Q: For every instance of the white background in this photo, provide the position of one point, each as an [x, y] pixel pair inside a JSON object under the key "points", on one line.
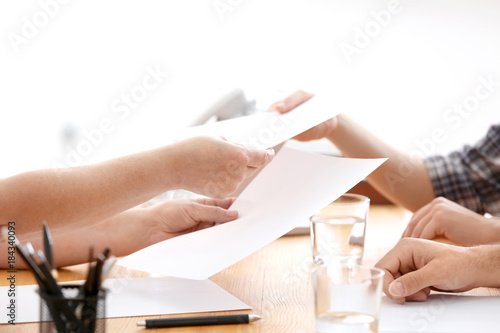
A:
{"points": [[87, 54]]}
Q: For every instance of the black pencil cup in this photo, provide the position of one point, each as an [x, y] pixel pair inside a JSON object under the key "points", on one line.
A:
{"points": [[72, 312]]}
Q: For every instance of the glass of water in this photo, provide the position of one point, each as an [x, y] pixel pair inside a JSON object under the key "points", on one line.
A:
{"points": [[347, 298], [338, 230]]}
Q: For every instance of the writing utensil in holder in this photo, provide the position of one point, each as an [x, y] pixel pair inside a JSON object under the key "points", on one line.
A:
{"points": [[86, 287], [96, 285], [198, 321], [108, 265], [54, 290], [47, 248], [25, 255], [44, 267]]}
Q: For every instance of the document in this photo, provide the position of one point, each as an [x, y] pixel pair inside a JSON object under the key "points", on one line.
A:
{"points": [[268, 129], [441, 313], [294, 186], [140, 297]]}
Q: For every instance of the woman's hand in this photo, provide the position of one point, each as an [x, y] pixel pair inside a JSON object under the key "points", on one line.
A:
{"points": [[287, 104], [215, 167], [177, 217]]}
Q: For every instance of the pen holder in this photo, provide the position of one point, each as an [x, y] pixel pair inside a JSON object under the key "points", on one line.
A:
{"points": [[72, 312]]}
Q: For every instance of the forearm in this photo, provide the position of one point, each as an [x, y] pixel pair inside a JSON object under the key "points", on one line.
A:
{"points": [[123, 234], [401, 179], [486, 270], [86, 194]]}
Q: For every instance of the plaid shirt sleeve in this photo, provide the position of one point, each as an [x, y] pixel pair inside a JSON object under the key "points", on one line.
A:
{"points": [[470, 177]]}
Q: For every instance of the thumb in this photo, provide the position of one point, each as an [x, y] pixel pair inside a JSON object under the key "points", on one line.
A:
{"points": [[411, 283]]}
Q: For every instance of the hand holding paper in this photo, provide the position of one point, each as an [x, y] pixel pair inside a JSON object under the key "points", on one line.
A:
{"points": [[269, 129], [290, 189], [287, 191]]}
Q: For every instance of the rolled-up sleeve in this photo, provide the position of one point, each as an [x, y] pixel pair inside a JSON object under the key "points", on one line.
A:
{"points": [[470, 177]]}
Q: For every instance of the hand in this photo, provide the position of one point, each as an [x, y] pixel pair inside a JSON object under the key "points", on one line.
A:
{"points": [[214, 167], [177, 217], [298, 97], [445, 218], [415, 266]]}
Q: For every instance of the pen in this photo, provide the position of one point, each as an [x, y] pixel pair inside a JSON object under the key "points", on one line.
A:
{"points": [[47, 247], [47, 244], [198, 321]]}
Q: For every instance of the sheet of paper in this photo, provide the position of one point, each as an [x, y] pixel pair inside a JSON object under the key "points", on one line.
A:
{"points": [[293, 187], [268, 129], [140, 297], [441, 313]]}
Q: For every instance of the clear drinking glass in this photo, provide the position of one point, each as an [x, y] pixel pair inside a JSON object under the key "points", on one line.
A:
{"points": [[347, 298], [338, 230]]}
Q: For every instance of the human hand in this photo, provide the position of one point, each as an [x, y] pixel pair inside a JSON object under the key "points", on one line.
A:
{"points": [[177, 217], [215, 167], [445, 218], [415, 266], [295, 99]]}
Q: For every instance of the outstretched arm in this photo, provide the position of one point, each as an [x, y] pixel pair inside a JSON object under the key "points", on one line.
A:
{"points": [[129, 231], [403, 180], [83, 195]]}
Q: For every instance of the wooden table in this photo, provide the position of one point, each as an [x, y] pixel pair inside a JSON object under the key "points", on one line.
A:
{"points": [[275, 281]]}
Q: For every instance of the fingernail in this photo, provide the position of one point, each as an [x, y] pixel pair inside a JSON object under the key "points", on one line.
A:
{"points": [[279, 106], [232, 213], [397, 289], [400, 300]]}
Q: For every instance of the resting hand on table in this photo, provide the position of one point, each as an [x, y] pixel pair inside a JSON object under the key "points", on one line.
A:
{"points": [[445, 218], [415, 266]]}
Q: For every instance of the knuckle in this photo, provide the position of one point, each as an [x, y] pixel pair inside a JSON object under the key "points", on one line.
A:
{"points": [[439, 200], [242, 158]]}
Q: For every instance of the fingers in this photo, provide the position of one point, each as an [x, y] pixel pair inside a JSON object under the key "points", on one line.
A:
{"points": [[212, 213], [390, 264], [412, 285], [419, 214], [290, 102], [258, 158], [425, 222], [419, 296], [429, 232], [222, 203], [397, 264]]}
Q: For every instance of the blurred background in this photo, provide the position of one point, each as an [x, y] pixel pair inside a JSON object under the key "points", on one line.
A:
{"points": [[137, 71]]}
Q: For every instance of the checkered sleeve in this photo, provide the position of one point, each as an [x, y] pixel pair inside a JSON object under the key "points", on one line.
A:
{"points": [[470, 177]]}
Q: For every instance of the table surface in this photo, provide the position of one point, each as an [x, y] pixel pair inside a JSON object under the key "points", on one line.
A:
{"points": [[275, 281]]}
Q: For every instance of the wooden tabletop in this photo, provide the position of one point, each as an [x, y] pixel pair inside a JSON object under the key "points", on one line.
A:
{"points": [[275, 281]]}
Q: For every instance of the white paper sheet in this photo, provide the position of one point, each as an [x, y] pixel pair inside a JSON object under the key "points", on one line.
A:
{"points": [[268, 129], [441, 313], [139, 297], [290, 189]]}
